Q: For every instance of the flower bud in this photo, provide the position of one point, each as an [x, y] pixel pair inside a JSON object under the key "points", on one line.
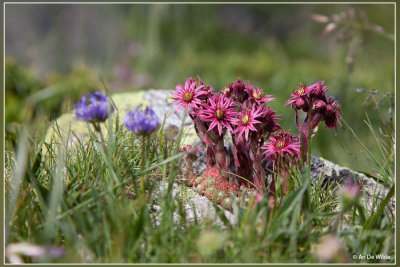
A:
{"points": [[330, 250], [350, 194], [258, 198], [220, 196], [300, 103], [237, 90], [319, 105]]}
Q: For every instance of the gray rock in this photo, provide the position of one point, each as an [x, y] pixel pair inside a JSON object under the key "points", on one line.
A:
{"points": [[331, 172], [160, 102], [195, 205]]}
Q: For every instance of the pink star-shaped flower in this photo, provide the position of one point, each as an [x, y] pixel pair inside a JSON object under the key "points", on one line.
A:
{"points": [[282, 145], [219, 111], [257, 95], [246, 121], [187, 96]]}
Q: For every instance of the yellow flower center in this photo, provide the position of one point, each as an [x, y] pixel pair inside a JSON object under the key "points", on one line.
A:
{"points": [[300, 90], [245, 119], [280, 144], [225, 90], [188, 96], [219, 113], [256, 95]]}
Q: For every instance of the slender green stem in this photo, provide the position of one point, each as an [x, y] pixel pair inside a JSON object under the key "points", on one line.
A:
{"points": [[143, 152], [98, 130], [309, 140]]}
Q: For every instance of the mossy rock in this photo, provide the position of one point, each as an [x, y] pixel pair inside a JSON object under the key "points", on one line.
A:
{"points": [[67, 128]]}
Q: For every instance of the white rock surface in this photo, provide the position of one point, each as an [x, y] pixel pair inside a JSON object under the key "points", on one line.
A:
{"points": [[193, 203]]}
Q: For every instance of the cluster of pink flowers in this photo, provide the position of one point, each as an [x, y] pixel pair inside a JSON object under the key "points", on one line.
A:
{"points": [[312, 100], [242, 110]]}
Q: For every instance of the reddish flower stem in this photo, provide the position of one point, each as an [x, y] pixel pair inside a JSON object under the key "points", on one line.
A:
{"points": [[242, 161], [222, 157], [259, 176]]}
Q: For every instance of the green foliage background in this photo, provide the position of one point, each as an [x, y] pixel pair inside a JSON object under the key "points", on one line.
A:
{"points": [[96, 201]]}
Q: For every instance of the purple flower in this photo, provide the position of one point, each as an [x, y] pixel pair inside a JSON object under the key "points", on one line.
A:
{"points": [[93, 108], [141, 123], [237, 90]]}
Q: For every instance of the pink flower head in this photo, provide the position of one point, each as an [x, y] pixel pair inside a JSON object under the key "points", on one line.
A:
{"points": [[226, 91], [208, 91], [351, 190], [268, 120], [220, 111], [318, 90], [257, 95], [319, 106], [332, 113], [187, 96], [247, 120], [299, 98], [284, 145], [258, 198], [237, 90]]}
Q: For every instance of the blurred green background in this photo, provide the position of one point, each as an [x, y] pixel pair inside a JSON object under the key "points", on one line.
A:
{"points": [[56, 53]]}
